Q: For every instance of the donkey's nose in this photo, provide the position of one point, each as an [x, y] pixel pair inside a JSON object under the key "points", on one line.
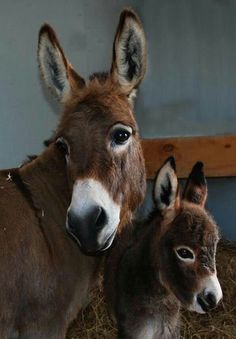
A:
{"points": [[86, 227], [211, 300], [94, 219], [207, 301]]}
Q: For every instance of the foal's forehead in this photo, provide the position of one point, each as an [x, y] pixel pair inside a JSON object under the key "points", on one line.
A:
{"points": [[198, 223]]}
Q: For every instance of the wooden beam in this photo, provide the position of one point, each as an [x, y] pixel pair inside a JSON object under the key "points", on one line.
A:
{"points": [[218, 154]]}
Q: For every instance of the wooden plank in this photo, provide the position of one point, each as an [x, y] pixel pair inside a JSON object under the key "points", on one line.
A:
{"points": [[218, 154]]}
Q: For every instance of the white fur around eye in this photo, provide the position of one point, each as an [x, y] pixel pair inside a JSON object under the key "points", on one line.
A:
{"points": [[187, 260]]}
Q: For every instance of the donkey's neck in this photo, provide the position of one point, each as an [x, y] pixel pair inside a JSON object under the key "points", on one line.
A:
{"points": [[46, 180]]}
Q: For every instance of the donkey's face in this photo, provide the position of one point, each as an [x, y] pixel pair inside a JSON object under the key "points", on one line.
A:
{"points": [[188, 241], [98, 134]]}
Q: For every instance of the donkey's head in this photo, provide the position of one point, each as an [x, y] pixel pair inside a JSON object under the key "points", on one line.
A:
{"points": [[188, 239], [98, 133]]}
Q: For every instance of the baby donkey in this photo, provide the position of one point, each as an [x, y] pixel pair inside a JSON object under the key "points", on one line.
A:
{"points": [[165, 262]]}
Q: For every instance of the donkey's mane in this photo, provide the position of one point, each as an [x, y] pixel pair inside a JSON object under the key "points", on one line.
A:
{"points": [[100, 76], [29, 158]]}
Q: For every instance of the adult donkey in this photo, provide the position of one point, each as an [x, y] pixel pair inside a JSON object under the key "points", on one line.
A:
{"points": [[89, 180]]}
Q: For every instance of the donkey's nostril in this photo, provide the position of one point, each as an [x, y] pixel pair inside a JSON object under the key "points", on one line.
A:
{"points": [[101, 219], [207, 301], [211, 300], [72, 220]]}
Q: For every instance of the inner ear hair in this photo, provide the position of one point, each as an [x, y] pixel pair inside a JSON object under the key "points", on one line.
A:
{"points": [[56, 71], [195, 190], [165, 193], [129, 51]]}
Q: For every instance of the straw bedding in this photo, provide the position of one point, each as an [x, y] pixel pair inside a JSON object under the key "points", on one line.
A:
{"points": [[94, 322]]}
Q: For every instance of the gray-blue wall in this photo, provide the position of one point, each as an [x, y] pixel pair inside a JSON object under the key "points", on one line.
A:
{"points": [[189, 88]]}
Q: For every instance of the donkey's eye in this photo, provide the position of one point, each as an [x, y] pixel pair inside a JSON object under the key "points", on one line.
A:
{"points": [[62, 145], [120, 136], [185, 253]]}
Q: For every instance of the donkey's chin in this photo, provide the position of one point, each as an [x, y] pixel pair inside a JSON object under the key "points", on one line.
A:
{"points": [[96, 250]]}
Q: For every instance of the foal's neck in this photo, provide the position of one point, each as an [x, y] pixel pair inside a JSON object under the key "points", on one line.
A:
{"points": [[148, 256], [146, 262], [46, 179]]}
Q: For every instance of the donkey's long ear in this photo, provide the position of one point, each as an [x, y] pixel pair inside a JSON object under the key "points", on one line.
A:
{"points": [[196, 187], [129, 52], [166, 190], [56, 71]]}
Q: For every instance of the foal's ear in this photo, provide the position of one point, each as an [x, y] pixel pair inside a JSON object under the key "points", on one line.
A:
{"points": [[56, 71], [166, 189], [129, 52], [196, 187]]}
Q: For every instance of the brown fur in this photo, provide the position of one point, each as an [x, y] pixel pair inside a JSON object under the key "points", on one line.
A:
{"points": [[145, 284], [44, 278], [104, 104]]}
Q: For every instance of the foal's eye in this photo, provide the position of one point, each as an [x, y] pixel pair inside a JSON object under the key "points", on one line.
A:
{"points": [[120, 136], [185, 253]]}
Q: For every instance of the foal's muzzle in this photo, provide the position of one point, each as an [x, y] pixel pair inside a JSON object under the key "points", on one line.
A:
{"points": [[209, 296]]}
